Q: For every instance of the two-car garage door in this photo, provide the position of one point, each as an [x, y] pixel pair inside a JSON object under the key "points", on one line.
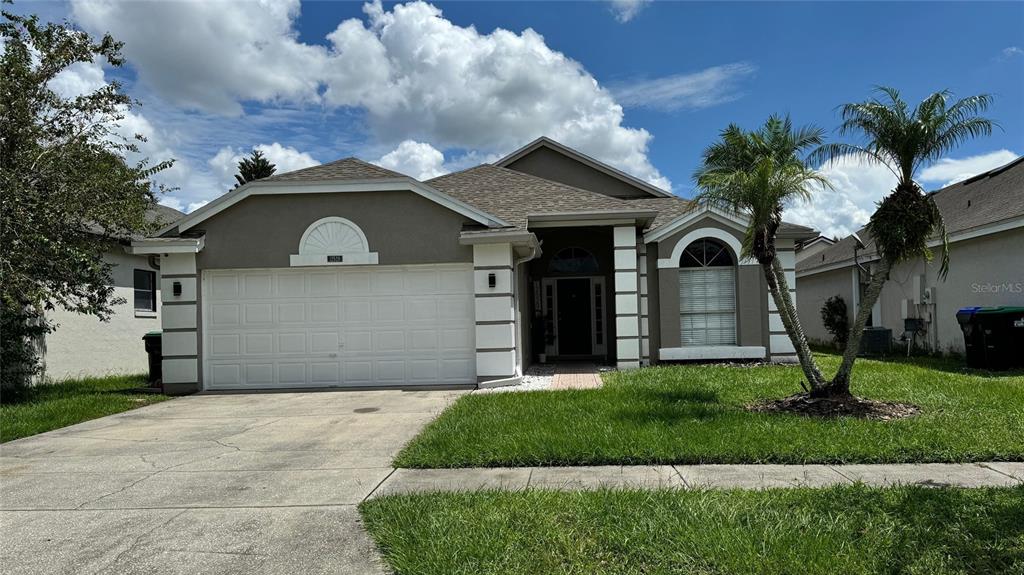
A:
{"points": [[338, 327]]}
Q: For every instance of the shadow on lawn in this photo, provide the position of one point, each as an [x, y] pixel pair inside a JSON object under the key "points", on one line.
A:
{"points": [[946, 364], [672, 405]]}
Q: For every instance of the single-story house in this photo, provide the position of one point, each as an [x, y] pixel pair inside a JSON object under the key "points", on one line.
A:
{"points": [[350, 275], [82, 345], [984, 217]]}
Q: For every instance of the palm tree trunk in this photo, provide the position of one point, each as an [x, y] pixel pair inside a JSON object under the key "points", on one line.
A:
{"points": [[840, 385], [779, 289]]}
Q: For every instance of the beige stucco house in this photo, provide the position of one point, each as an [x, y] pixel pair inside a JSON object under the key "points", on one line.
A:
{"points": [[82, 345], [984, 218], [351, 275]]}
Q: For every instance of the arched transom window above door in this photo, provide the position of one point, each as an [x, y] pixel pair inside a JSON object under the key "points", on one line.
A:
{"points": [[333, 241], [707, 294], [573, 260]]}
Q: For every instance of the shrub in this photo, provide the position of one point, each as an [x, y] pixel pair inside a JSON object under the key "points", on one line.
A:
{"points": [[836, 320]]}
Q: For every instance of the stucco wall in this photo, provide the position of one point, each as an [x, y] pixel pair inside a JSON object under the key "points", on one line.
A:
{"points": [[984, 271], [751, 293], [83, 345], [264, 231], [813, 291], [552, 165]]}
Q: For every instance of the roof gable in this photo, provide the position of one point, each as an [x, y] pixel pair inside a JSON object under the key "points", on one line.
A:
{"points": [[342, 176], [551, 160], [343, 169], [515, 196]]}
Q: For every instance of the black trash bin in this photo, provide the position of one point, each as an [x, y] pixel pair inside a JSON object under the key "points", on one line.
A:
{"points": [[1002, 330], [154, 347], [974, 342]]}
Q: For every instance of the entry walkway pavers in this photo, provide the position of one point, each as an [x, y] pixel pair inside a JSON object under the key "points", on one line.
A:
{"points": [[701, 477], [576, 376]]}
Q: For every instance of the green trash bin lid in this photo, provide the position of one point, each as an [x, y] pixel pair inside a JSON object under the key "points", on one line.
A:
{"points": [[152, 334]]}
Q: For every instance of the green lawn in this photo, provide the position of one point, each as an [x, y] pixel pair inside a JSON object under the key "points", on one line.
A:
{"points": [[51, 406], [695, 414], [843, 530]]}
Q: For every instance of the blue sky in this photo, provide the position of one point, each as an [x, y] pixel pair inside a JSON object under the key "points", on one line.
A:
{"points": [[644, 86]]}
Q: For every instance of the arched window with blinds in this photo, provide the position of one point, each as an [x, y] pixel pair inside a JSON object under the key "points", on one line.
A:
{"points": [[707, 294]]}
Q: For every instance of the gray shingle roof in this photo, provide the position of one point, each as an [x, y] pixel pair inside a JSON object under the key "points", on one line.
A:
{"points": [[513, 196], [984, 199], [343, 169]]}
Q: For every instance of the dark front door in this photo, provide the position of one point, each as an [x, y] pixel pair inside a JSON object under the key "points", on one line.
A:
{"points": [[574, 317]]}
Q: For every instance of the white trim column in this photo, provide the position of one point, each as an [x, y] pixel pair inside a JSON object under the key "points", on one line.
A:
{"points": [[645, 325], [179, 322], [495, 312], [627, 300], [780, 347]]}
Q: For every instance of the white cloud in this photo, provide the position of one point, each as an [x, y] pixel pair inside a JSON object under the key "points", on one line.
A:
{"points": [[844, 209], [419, 160], [211, 55], [1011, 51], [78, 79], [86, 77], [416, 75], [950, 170], [703, 89], [859, 186], [285, 159], [626, 10]]}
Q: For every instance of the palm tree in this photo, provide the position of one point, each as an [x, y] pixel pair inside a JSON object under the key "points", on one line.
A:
{"points": [[756, 173], [902, 140]]}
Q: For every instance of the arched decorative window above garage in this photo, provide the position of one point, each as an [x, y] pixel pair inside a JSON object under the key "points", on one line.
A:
{"points": [[707, 294], [333, 241], [573, 260]]}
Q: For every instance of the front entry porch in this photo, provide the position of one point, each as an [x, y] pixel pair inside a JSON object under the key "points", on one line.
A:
{"points": [[584, 296]]}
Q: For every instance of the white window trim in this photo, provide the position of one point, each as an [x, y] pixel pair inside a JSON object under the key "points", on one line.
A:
{"points": [[715, 233], [711, 352]]}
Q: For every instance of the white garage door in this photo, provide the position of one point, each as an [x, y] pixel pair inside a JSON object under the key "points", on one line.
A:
{"points": [[338, 327]]}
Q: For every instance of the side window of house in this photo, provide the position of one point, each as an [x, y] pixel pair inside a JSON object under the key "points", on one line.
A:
{"points": [[145, 290]]}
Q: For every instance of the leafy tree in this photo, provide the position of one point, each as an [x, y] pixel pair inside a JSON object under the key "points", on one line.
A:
{"points": [[254, 167], [835, 319], [903, 140], [68, 191], [756, 173]]}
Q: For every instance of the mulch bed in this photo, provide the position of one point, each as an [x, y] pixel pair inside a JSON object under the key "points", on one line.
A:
{"points": [[802, 404]]}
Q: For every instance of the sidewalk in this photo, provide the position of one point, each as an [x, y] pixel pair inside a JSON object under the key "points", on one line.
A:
{"points": [[701, 477]]}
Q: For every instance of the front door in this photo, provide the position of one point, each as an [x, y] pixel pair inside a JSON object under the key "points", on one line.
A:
{"points": [[576, 320], [574, 315]]}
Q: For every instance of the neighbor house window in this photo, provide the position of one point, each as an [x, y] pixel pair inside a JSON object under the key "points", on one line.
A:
{"points": [[573, 261], [707, 294], [145, 290]]}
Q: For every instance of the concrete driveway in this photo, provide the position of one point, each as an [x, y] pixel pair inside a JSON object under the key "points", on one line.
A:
{"points": [[256, 483]]}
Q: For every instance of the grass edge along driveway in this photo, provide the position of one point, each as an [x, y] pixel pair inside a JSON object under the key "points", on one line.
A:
{"points": [[842, 530], [696, 414], [50, 406]]}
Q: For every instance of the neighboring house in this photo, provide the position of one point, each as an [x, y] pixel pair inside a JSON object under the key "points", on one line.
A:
{"points": [[984, 218], [351, 275], [82, 345], [812, 246]]}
